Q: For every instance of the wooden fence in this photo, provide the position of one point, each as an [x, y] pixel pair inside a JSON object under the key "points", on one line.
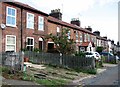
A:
{"points": [[12, 60], [64, 60]]}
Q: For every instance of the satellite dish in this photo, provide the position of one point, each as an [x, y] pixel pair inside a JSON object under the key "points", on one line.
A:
{"points": [[2, 26]]}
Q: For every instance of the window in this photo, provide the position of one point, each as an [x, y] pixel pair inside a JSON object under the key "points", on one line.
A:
{"points": [[85, 37], [76, 35], [11, 17], [30, 43], [68, 34], [58, 31], [40, 23], [88, 37], [10, 43], [30, 20], [81, 37]]}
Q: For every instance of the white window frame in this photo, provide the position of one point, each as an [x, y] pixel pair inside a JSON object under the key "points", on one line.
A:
{"points": [[27, 41], [40, 23], [77, 35], [85, 37], [27, 24], [81, 37], [69, 34], [88, 35], [10, 16], [10, 44], [58, 29]]}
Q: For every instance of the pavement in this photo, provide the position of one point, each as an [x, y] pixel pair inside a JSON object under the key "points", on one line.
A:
{"points": [[28, 64]]}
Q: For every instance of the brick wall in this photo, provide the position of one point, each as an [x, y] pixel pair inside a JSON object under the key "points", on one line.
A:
{"points": [[35, 33], [11, 30]]}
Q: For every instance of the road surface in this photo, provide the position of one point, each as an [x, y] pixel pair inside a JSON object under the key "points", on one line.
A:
{"points": [[107, 78]]}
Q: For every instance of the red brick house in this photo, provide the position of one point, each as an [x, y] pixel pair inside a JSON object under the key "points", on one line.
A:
{"points": [[26, 27]]}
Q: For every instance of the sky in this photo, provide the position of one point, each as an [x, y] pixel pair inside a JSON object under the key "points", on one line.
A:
{"points": [[101, 15]]}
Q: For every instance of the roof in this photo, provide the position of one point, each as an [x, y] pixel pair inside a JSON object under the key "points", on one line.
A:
{"points": [[85, 44], [57, 21], [50, 18], [24, 6]]}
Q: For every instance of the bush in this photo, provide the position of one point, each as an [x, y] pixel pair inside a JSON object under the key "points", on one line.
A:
{"points": [[37, 50], [89, 71], [81, 54]]}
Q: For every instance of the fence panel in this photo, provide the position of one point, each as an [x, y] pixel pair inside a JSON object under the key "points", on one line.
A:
{"points": [[56, 59], [12, 60]]}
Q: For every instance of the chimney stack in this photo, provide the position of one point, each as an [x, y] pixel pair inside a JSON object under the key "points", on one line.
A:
{"points": [[75, 21], [56, 14], [105, 37], [89, 28], [97, 33]]}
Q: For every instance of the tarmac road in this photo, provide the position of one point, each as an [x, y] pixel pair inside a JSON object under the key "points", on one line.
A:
{"points": [[107, 78]]}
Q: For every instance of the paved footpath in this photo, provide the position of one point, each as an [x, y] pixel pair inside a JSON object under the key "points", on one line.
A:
{"points": [[108, 77]]}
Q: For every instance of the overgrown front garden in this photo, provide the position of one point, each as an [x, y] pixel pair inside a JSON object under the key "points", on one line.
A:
{"points": [[50, 76]]}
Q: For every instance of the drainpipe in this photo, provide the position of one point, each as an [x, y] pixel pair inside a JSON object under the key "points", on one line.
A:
{"points": [[0, 27], [21, 29]]}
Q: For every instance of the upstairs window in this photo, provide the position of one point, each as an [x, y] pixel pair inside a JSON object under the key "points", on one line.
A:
{"points": [[88, 37], [81, 39], [40, 23], [11, 17], [58, 31], [76, 35], [30, 20], [68, 34], [85, 37]]}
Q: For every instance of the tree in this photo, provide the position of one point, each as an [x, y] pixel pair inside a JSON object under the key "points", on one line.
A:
{"points": [[61, 41]]}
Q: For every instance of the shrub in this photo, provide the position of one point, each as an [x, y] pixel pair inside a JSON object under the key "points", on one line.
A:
{"points": [[80, 54]]}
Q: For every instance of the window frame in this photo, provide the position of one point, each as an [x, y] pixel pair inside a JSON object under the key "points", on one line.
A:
{"points": [[27, 41], [27, 24], [88, 35], [69, 34], [77, 35], [11, 16], [10, 44], [39, 23], [85, 37], [81, 37]]}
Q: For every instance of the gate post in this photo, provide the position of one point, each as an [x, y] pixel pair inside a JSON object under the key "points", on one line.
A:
{"points": [[22, 61]]}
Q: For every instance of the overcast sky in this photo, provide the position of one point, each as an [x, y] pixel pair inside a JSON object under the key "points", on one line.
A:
{"points": [[101, 15]]}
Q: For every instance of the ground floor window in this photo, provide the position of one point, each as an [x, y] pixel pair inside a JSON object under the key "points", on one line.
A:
{"points": [[30, 43], [11, 43]]}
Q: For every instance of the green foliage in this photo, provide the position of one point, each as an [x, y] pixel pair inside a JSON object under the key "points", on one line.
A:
{"points": [[51, 82], [62, 43], [24, 49], [89, 71], [81, 54], [99, 49], [5, 69], [99, 64], [37, 50]]}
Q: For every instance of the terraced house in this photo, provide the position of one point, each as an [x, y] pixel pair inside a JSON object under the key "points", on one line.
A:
{"points": [[23, 26]]}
